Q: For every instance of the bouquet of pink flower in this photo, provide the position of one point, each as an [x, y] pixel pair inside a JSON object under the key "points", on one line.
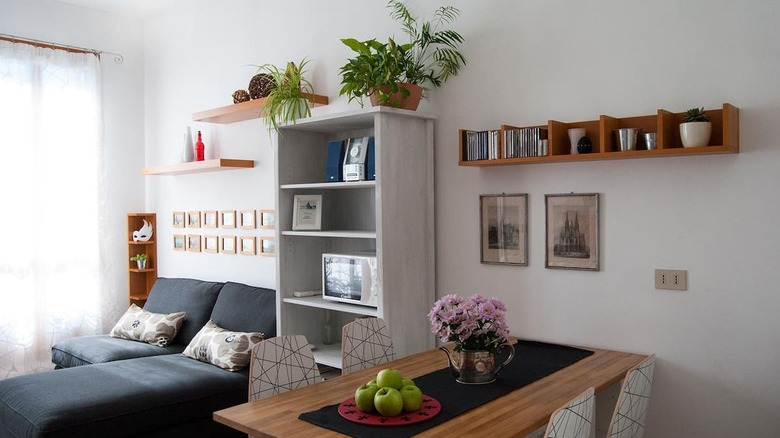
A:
{"points": [[474, 323]]}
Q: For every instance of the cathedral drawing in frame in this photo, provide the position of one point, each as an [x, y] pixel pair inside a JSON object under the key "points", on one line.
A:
{"points": [[572, 227]]}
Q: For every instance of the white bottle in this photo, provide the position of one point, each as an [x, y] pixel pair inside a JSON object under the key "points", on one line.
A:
{"points": [[188, 153]]}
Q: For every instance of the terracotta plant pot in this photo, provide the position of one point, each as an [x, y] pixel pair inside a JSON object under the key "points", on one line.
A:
{"points": [[694, 134], [398, 100]]}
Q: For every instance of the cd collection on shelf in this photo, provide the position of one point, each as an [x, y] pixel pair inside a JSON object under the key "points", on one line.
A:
{"points": [[480, 145], [524, 142]]}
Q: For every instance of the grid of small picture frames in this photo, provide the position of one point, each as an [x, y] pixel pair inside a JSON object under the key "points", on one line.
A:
{"points": [[225, 231]]}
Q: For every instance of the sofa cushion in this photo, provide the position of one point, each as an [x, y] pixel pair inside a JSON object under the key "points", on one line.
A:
{"points": [[196, 297], [245, 308], [224, 348], [157, 329], [117, 399], [86, 350]]}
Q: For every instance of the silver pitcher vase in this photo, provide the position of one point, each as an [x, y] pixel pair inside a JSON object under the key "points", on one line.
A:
{"points": [[476, 367]]}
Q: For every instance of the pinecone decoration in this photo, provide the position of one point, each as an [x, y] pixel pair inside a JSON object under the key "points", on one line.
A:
{"points": [[261, 85], [240, 96]]}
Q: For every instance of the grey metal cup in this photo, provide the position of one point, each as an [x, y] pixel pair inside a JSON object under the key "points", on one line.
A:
{"points": [[649, 140], [627, 138]]}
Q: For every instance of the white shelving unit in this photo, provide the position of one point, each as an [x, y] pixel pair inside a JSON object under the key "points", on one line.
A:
{"points": [[392, 216]]}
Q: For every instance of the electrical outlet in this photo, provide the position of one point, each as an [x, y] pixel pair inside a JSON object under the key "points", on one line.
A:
{"points": [[673, 279]]}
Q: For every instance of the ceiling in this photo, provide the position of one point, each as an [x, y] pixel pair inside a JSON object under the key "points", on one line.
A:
{"points": [[138, 8]]}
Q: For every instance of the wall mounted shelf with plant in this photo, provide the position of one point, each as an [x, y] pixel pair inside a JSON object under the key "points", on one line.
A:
{"points": [[724, 138], [252, 109]]}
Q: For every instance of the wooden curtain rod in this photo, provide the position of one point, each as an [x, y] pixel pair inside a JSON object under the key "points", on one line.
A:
{"points": [[50, 45]]}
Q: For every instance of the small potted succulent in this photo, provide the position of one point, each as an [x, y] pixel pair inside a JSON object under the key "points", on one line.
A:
{"points": [[288, 99], [140, 260], [393, 73], [695, 129]]}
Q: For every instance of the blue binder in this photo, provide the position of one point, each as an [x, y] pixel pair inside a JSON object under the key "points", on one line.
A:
{"points": [[370, 163], [334, 156]]}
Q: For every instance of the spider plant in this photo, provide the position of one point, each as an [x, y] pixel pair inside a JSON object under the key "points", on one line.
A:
{"points": [[287, 102]]}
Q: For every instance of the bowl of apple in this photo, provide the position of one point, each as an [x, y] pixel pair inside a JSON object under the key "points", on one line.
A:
{"points": [[389, 400]]}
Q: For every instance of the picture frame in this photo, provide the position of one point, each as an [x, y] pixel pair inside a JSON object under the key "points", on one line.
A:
{"points": [[267, 246], [227, 244], [248, 245], [247, 219], [211, 244], [178, 219], [210, 219], [307, 212], [504, 229], [572, 231], [267, 219], [227, 219], [193, 219], [180, 241], [193, 242]]}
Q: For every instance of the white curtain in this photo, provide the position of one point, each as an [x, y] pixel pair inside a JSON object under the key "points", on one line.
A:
{"points": [[50, 193]]}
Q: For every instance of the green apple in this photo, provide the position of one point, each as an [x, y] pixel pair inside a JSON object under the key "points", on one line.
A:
{"points": [[406, 382], [388, 402], [389, 378], [412, 397], [372, 382], [364, 397]]}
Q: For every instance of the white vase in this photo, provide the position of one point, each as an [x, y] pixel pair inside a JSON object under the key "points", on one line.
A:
{"points": [[575, 134], [695, 134], [188, 153]]}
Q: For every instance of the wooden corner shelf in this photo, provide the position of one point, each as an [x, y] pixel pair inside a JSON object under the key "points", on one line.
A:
{"points": [[723, 140], [199, 167], [140, 281], [252, 109]]}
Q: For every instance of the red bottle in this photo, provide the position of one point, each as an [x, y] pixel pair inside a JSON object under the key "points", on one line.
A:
{"points": [[200, 149]]}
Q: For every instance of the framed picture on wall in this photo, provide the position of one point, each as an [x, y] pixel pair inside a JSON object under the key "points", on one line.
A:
{"points": [[179, 242], [210, 219], [248, 219], [248, 245], [178, 219], [193, 219], [267, 246], [227, 244], [193, 242], [572, 231], [307, 212], [227, 218], [504, 229], [267, 219], [211, 244]]}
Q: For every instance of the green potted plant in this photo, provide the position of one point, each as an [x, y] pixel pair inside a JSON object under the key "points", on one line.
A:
{"points": [[287, 101], [695, 129], [389, 73], [140, 260]]}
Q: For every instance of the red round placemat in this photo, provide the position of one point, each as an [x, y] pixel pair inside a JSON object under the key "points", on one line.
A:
{"points": [[429, 409]]}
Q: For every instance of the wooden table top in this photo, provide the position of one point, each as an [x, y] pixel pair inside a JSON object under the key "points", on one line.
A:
{"points": [[515, 414]]}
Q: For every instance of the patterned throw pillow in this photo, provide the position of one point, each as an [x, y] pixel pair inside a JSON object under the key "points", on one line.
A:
{"points": [[138, 324], [223, 348]]}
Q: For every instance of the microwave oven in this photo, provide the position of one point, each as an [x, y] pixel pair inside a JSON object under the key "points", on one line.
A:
{"points": [[351, 278]]}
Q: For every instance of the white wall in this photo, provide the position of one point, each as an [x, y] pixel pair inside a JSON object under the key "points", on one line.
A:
{"points": [[122, 84]]}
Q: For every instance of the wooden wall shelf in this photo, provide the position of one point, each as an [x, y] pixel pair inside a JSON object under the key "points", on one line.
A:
{"points": [[140, 281], [199, 167], [724, 138], [252, 109]]}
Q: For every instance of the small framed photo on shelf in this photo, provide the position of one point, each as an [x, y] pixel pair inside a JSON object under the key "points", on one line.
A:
{"points": [[193, 242], [307, 212], [267, 219], [248, 219], [227, 244], [248, 245], [267, 246], [179, 242], [193, 219], [178, 219], [504, 229], [572, 230], [210, 219], [211, 244], [227, 218]]}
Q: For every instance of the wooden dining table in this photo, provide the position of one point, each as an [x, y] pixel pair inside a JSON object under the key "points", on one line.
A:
{"points": [[517, 413]]}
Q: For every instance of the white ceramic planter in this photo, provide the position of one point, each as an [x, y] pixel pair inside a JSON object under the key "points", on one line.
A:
{"points": [[694, 134]]}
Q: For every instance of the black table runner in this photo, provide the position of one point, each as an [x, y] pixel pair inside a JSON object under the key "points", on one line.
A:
{"points": [[533, 361]]}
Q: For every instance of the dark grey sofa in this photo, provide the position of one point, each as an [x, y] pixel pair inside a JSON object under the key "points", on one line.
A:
{"points": [[103, 391]]}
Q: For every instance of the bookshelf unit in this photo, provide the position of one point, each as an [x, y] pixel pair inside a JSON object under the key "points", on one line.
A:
{"points": [[392, 216], [724, 138], [140, 281]]}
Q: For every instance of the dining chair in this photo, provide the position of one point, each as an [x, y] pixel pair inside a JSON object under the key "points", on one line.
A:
{"points": [[628, 420], [575, 419], [281, 364], [365, 342]]}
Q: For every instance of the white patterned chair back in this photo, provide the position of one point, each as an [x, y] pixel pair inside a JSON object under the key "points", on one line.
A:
{"points": [[575, 419], [365, 342], [628, 421], [280, 364]]}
